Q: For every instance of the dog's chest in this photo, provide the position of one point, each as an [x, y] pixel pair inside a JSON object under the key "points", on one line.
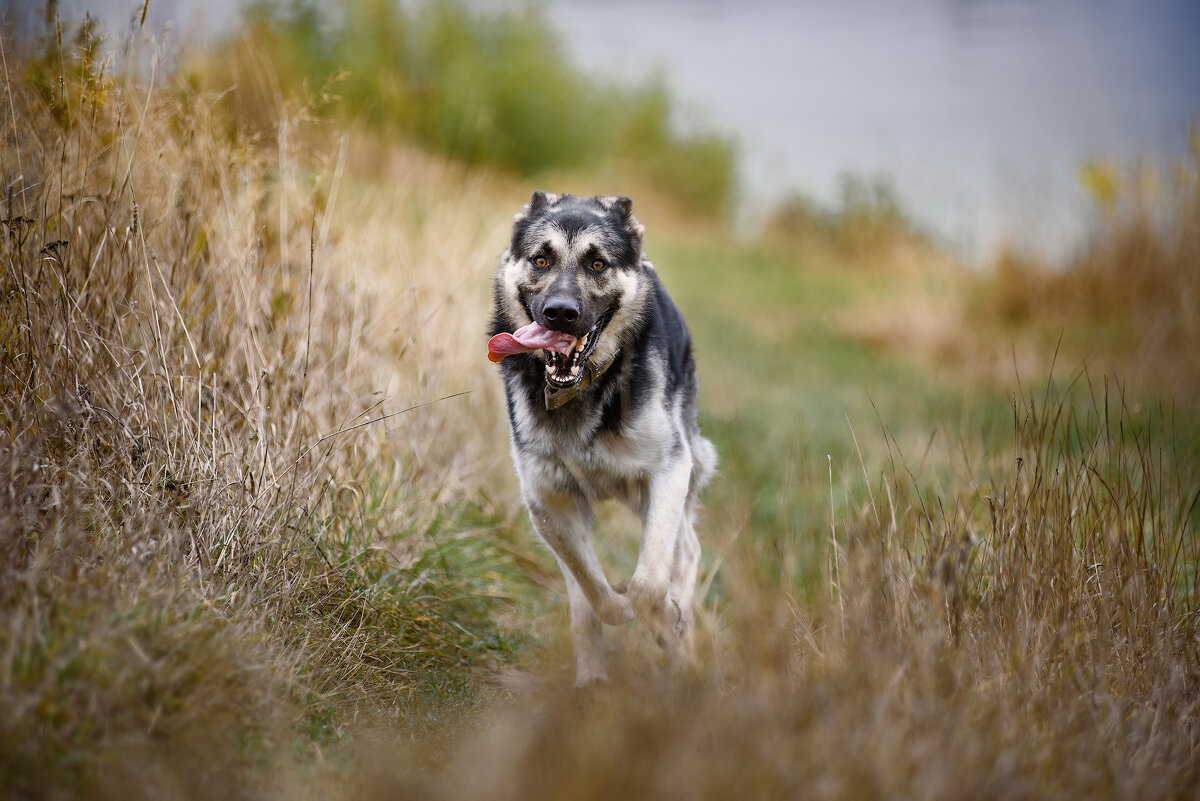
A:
{"points": [[620, 455], [604, 462]]}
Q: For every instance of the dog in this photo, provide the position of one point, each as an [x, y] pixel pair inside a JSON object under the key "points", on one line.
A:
{"points": [[600, 385]]}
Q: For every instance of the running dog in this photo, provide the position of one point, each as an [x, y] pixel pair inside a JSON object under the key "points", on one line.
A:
{"points": [[601, 391]]}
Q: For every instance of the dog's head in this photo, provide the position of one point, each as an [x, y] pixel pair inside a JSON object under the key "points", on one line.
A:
{"points": [[574, 265]]}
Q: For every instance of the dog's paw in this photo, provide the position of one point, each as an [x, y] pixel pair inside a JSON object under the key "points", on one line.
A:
{"points": [[670, 622], [673, 636], [586, 681], [617, 610], [683, 618], [649, 602]]}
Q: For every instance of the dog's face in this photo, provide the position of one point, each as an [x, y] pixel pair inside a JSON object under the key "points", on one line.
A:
{"points": [[574, 265]]}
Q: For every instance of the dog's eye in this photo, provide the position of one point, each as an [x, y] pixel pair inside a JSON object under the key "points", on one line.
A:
{"points": [[598, 264], [540, 261]]}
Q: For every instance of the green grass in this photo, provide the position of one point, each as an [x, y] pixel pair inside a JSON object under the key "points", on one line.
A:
{"points": [[786, 394]]}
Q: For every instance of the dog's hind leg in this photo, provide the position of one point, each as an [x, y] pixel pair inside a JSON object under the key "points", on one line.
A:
{"points": [[687, 548], [565, 523], [683, 576]]}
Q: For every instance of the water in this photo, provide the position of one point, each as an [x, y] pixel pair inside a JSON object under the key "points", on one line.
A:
{"points": [[980, 111]]}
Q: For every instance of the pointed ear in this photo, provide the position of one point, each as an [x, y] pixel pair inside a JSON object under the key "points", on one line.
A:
{"points": [[536, 201], [623, 206]]}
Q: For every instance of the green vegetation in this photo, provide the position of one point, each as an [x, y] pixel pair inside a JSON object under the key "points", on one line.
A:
{"points": [[259, 536], [784, 385], [868, 215], [483, 88]]}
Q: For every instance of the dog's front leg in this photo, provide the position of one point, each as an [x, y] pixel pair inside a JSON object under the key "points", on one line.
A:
{"points": [[585, 634], [565, 523], [651, 581]]}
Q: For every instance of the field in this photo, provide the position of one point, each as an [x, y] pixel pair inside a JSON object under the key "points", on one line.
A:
{"points": [[259, 534]]}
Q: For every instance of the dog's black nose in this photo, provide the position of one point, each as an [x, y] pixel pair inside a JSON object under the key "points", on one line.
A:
{"points": [[561, 311]]}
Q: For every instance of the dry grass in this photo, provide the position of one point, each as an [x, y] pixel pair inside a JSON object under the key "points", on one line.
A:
{"points": [[220, 526], [1029, 631], [1131, 296], [1127, 302], [208, 591]]}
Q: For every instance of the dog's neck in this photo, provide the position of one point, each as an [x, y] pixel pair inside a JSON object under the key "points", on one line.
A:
{"points": [[556, 396]]}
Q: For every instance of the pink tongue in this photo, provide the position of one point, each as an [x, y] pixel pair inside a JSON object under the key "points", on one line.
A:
{"points": [[530, 337]]}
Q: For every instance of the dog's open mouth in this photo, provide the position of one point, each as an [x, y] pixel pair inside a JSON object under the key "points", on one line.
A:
{"points": [[565, 355], [565, 369]]}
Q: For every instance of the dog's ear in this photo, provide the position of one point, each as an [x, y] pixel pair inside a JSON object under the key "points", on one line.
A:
{"points": [[623, 207], [536, 201]]}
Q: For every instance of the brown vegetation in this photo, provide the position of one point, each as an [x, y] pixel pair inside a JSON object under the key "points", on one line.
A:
{"points": [[1029, 633], [1130, 296], [220, 530]]}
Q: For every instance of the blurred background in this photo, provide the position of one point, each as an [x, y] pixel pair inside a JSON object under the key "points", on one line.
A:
{"points": [[974, 116]]}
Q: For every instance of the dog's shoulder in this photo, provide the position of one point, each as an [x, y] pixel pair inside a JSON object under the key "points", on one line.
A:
{"points": [[667, 335]]}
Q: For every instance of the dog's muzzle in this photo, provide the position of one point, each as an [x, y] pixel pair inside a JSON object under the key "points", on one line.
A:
{"points": [[564, 370]]}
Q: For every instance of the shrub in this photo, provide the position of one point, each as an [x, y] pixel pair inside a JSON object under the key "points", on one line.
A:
{"points": [[868, 216], [481, 87]]}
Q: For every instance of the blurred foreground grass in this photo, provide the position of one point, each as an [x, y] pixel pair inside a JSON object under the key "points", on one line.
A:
{"points": [[241, 559]]}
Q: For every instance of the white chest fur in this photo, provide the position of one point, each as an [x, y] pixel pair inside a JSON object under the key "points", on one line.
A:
{"points": [[602, 463]]}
